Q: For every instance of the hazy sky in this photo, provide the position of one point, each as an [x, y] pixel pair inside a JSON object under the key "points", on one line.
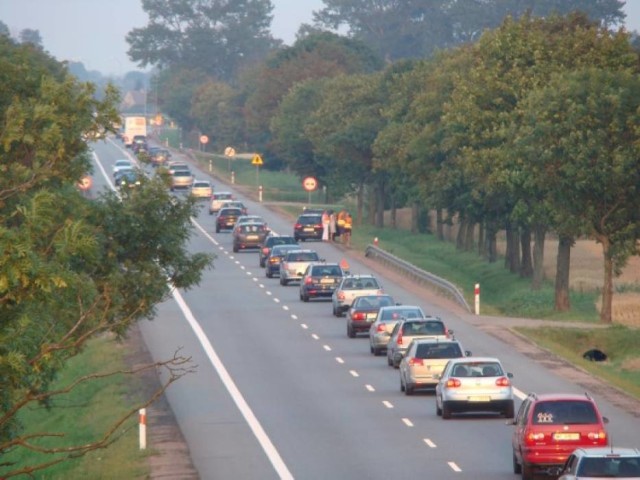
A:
{"points": [[93, 31]]}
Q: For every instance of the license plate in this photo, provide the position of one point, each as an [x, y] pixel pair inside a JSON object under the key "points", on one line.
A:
{"points": [[326, 280], [308, 229], [372, 316], [252, 237], [479, 399], [566, 436]]}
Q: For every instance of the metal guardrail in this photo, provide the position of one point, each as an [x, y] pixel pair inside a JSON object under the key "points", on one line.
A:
{"points": [[439, 284]]}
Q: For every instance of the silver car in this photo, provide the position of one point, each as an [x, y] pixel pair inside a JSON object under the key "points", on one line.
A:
{"points": [[295, 263], [380, 331], [424, 362], [353, 286], [474, 384], [408, 330]]}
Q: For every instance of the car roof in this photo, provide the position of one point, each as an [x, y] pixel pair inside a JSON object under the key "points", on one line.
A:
{"points": [[122, 161], [561, 396], [475, 359], [220, 194], [204, 182], [438, 341], [356, 276], [306, 250]]}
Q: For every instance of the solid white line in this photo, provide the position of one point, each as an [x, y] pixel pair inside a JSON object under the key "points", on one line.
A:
{"points": [[370, 388], [519, 393], [354, 373], [407, 422], [243, 406], [387, 404], [429, 442], [454, 467]]}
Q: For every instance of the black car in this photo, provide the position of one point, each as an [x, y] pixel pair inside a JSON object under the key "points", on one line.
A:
{"points": [[308, 226], [159, 156], [227, 218], [320, 280], [271, 241], [249, 235]]}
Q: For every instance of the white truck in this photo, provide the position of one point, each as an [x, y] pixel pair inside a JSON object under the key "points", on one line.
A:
{"points": [[134, 126]]}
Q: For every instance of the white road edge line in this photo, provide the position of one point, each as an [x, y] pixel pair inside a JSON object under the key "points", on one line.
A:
{"points": [[454, 467], [268, 447], [407, 422]]}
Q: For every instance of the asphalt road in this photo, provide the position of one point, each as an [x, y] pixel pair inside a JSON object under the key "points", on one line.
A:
{"points": [[282, 392]]}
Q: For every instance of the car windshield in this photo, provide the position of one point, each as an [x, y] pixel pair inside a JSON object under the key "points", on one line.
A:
{"points": [[610, 467], [438, 350], [564, 412], [423, 328]]}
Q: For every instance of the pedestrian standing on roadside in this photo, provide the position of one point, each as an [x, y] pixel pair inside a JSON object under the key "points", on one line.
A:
{"points": [[325, 226], [348, 226], [340, 223], [332, 225]]}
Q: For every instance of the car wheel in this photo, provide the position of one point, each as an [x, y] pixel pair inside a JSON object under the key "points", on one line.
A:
{"points": [[377, 351], [371, 349], [517, 468], [510, 411], [351, 332], [262, 264], [235, 249], [408, 390], [527, 472], [268, 274], [438, 409], [401, 384], [389, 361], [210, 212], [283, 282], [305, 298], [446, 411], [217, 229]]}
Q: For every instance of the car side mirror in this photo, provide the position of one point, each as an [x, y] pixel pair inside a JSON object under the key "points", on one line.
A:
{"points": [[467, 353], [511, 421], [605, 420], [509, 375]]}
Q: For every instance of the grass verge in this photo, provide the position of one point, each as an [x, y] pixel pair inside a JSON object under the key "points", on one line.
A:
{"points": [[83, 416]]}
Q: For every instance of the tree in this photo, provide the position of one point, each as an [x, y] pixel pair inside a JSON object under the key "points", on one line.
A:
{"points": [[417, 28], [31, 36], [71, 268], [176, 89], [4, 29], [218, 37], [585, 128]]}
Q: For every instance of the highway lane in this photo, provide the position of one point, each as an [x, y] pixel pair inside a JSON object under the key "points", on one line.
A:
{"points": [[330, 408]]}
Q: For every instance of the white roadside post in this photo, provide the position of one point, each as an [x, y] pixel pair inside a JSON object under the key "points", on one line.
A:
{"points": [[477, 297], [143, 428]]}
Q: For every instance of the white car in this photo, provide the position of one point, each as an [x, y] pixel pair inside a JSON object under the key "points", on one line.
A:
{"points": [[380, 331], [122, 164], [602, 462], [474, 384], [201, 189]]}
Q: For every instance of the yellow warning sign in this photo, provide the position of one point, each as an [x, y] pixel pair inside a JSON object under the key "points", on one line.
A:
{"points": [[257, 160]]}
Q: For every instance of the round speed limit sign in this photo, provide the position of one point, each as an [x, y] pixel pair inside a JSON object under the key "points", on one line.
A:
{"points": [[309, 184]]}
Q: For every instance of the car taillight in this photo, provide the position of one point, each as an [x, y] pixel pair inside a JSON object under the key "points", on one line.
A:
{"points": [[415, 361], [453, 383], [265, 251], [600, 437], [379, 292], [297, 226], [381, 328], [341, 296], [273, 259], [358, 316], [308, 281], [399, 338], [503, 382], [531, 438]]}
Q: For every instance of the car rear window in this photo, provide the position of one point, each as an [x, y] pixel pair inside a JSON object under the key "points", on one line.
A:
{"points": [[360, 284], [400, 313], [565, 412], [281, 241], [310, 219], [302, 257], [610, 467], [423, 328], [326, 270], [446, 350], [250, 228], [231, 211], [374, 302], [222, 196]]}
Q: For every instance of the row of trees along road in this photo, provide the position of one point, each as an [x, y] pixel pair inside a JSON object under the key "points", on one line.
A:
{"points": [[71, 267], [529, 127]]}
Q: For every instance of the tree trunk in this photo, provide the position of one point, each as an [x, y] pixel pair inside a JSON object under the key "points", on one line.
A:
{"points": [[509, 247], [491, 245], [462, 231], [372, 200], [394, 213], [481, 239], [415, 214], [380, 204], [468, 239], [439, 225], [539, 233], [360, 204], [563, 264], [526, 265], [606, 312]]}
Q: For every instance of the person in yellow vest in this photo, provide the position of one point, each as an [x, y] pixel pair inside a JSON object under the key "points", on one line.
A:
{"points": [[348, 226], [340, 222]]}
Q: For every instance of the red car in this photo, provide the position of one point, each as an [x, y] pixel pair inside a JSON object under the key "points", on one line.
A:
{"points": [[551, 426]]}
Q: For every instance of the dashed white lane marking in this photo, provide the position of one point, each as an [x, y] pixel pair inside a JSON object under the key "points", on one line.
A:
{"points": [[277, 300], [407, 422], [294, 316], [248, 272], [354, 373], [285, 307], [261, 285], [454, 467], [269, 293], [339, 360], [304, 325], [255, 279], [429, 442], [315, 337], [327, 348], [370, 388], [387, 404]]}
